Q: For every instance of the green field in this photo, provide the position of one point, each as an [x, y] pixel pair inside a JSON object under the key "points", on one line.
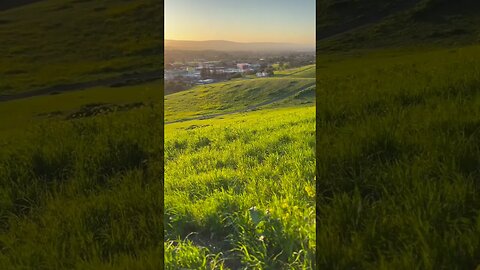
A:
{"points": [[398, 159], [239, 174], [80, 171], [301, 72], [345, 25], [217, 170], [396, 129], [232, 96], [79, 180], [56, 42], [18, 114], [83, 193], [97, 174]]}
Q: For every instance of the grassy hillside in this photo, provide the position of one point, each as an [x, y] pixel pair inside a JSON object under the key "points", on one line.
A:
{"points": [[301, 72], [239, 174], [83, 193], [336, 16], [239, 191], [60, 42], [398, 160], [19, 114], [233, 96], [79, 171], [422, 22], [79, 182]]}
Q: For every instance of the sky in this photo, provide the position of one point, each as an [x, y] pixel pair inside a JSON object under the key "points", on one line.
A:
{"points": [[291, 21]]}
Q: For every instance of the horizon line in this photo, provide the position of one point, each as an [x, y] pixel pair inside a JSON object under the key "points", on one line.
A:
{"points": [[244, 42]]}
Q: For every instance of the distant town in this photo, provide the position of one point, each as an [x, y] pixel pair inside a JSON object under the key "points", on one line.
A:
{"points": [[183, 74]]}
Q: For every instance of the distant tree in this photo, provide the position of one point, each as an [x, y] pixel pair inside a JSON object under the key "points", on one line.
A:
{"points": [[204, 73], [236, 75], [175, 86], [249, 72], [269, 71]]}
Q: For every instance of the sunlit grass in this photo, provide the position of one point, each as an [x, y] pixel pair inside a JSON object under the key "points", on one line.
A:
{"points": [[84, 193], [398, 160], [19, 114], [62, 42], [232, 96], [244, 185]]}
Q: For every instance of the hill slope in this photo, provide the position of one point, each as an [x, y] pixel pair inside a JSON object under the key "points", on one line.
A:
{"points": [[397, 23], [234, 96], [60, 42], [9, 4], [239, 183], [79, 171], [338, 16], [232, 181], [398, 130]]}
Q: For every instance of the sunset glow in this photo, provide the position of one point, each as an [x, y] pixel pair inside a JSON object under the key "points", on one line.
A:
{"points": [[242, 21]]}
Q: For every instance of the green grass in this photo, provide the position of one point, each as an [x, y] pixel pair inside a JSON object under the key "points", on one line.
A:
{"points": [[397, 144], [19, 114], [436, 23], [231, 96], [398, 159], [333, 13], [301, 72], [239, 186], [83, 194], [57, 42], [217, 170]]}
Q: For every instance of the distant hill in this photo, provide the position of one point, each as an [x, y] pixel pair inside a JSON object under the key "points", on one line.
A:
{"points": [[223, 45]]}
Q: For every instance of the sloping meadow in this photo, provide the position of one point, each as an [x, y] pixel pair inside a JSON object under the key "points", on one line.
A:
{"points": [[233, 96], [84, 194], [398, 160], [245, 186]]}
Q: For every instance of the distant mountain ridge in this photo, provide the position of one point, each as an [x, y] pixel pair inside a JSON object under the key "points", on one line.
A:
{"points": [[224, 45]]}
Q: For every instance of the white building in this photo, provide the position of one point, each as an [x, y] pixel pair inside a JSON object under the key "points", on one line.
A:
{"points": [[262, 74], [232, 70], [207, 81]]}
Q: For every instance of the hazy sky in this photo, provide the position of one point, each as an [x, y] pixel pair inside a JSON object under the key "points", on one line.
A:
{"points": [[291, 21]]}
